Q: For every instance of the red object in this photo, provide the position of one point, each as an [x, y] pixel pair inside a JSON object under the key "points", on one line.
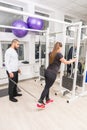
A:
{"points": [[40, 105], [49, 101]]}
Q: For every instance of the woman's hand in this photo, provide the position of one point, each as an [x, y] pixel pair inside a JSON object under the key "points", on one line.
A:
{"points": [[74, 59]]}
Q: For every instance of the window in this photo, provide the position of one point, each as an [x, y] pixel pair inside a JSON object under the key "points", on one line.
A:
{"points": [[46, 23], [36, 51], [20, 51], [4, 48], [7, 18], [43, 51]]}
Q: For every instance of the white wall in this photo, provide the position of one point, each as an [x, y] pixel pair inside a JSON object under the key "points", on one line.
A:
{"points": [[29, 69]]}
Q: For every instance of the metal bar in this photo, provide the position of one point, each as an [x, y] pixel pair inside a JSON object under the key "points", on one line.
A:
{"points": [[3, 78], [63, 52], [11, 27], [77, 56], [23, 89], [55, 33], [5, 9], [85, 26], [47, 48], [84, 76]]}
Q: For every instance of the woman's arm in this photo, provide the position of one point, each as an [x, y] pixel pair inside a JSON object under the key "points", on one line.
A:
{"points": [[63, 60]]}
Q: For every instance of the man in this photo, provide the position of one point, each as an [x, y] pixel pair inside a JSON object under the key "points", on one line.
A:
{"points": [[11, 63]]}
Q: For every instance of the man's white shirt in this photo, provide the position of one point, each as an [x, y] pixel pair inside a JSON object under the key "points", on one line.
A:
{"points": [[11, 60]]}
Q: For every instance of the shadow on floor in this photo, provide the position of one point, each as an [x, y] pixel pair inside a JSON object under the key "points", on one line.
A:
{"points": [[4, 92]]}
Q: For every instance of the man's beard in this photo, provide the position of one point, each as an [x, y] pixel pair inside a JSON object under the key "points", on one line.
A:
{"points": [[16, 49]]}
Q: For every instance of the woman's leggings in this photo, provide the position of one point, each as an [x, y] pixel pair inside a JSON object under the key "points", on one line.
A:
{"points": [[50, 78]]}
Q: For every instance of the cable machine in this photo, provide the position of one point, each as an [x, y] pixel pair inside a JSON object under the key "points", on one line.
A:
{"points": [[70, 83], [65, 24]]}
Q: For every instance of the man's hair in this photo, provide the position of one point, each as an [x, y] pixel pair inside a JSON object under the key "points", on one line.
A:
{"points": [[14, 41]]}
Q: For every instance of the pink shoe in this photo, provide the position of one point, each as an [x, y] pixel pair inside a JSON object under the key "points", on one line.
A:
{"points": [[49, 101], [40, 105]]}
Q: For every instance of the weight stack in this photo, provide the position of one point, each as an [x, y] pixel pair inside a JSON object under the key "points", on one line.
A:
{"points": [[67, 82], [79, 80], [42, 70]]}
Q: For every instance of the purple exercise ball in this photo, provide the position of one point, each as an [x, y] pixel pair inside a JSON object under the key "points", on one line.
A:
{"points": [[18, 32], [35, 23]]}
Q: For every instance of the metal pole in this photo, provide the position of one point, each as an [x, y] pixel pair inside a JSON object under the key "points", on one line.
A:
{"points": [[32, 30], [47, 47], [63, 52], [5, 9], [77, 56], [84, 76]]}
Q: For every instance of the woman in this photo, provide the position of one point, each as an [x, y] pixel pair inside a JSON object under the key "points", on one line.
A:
{"points": [[55, 60]]}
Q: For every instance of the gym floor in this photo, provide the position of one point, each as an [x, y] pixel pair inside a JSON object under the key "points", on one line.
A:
{"points": [[24, 114]]}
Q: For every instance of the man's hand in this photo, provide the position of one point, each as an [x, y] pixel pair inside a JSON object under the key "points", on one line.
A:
{"points": [[19, 71], [11, 75]]}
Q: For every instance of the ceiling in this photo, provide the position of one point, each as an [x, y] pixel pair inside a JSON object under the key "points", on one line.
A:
{"points": [[73, 8]]}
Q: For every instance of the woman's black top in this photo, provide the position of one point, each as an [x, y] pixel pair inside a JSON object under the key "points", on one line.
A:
{"points": [[56, 63]]}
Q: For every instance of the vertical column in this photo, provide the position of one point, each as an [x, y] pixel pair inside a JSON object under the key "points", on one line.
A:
{"points": [[63, 52], [77, 56], [32, 48], [84, 75], [1, 60], [47, 47], [29, 8], [58, 27]]}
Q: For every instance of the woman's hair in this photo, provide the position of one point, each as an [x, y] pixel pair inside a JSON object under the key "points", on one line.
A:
{"points": [[54, 52]]}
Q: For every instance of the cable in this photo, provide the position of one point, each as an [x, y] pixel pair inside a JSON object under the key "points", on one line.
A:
{"points": [[23, 89]]}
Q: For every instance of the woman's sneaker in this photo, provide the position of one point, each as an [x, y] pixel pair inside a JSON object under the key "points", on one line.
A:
{"points": [[49, 101], [40, 105]]}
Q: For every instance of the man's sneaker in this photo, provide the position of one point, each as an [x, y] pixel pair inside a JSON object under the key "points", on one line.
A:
{"points": [[40, 105], [13, 99], [49, 101], [18, 94]]}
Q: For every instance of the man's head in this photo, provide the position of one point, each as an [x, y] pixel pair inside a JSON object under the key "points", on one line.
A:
{"points": [[15, 43]]}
